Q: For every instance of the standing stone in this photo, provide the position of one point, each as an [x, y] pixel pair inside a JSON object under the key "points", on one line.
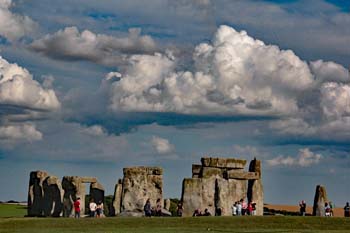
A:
{"points": [[97, 192], [139, 184], [117, 198], [73, 188], [167, 204], [319, 201], [255, 187], [53, 197], [219, 182], [228, 192], [198, 193], [36, 193]]}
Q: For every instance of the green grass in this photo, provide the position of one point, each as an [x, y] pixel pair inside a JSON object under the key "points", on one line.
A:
{"points": [[12, 210], [177, 225]]}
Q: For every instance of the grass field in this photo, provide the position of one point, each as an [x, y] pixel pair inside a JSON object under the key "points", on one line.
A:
{"points": [[12, 210], [176, 225]]}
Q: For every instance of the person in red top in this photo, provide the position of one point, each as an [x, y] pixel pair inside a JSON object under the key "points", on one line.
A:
{"points": [[77, 208]]}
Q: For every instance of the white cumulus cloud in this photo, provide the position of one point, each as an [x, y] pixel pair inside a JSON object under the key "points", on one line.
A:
{"points": [[18, 88], [162, 145], [305, 158], [71, 44], [16, 132], [235, 75], [14, 26]]}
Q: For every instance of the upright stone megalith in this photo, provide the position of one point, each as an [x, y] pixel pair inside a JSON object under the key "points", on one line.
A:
{"points": [[255, 187], [45, 195], [137, 185], [117, 198], [74, 187], [218, 183], [319, 201]]}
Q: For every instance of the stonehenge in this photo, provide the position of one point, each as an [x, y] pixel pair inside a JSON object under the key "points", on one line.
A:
{"points": [[74, 187], [319, 201], [45, 195], [137, 185], [219, 182], [48, 197], [215, 183]]}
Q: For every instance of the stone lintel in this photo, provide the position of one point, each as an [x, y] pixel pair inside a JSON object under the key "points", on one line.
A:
{"points": [[132, 171], [86, 179], [208, 172], [223, 162], [232, 174], [97, 185], [196, 169]]}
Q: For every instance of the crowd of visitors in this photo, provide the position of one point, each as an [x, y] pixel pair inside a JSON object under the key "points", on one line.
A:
{"points": [[241, 207]]}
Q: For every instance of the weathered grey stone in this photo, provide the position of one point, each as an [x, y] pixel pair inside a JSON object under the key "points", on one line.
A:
{"points": [[196, 170], [198, 193], [53, 197], [97, 192], [136, 171], [241, 175], [223, 162], [227, 192], [139, 184], [220, 183], [74, 187], [45, 195], [117, 197], [255, 187], [319, 201], [167, 204], [208, 172], [166, 212], [36, 193]]}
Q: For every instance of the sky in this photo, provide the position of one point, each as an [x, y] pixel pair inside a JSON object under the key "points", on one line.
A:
{"points": [[89, 87]]}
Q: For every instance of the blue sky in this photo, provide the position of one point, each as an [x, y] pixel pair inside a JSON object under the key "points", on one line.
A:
{"points": [[102, 85]]}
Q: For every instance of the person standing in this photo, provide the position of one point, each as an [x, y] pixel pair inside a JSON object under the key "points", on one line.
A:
{"points": [[253, 208], [234, 209], [347, 210], [92, 207], [158, 207], [99, 209], [147, 208], [302, 205], [239, 209], [77, 208], [179, 209]]}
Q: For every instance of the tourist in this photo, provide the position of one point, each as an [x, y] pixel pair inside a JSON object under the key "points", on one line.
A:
{"points": [[147, 208], [327, 210], [99, 209], [159, 207], [179, 209], [218, 211], [239, 209], [253, 208], [347, 210], [77, 208], [250, 209], [206, 213], [92, 207], [196, 213], [302, 205], [244, 207], [331, 209], [234, 209]]}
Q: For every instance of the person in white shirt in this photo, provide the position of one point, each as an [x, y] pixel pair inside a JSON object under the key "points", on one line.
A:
{"points": [[234, 209], [92, 207]]}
